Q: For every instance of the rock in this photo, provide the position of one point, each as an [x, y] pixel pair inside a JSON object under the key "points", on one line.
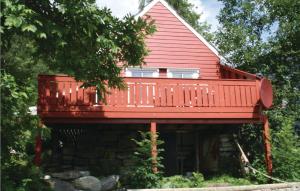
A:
{"points": [[84, 173], [70, 175], [90, 183], [60, 185], [110, 182]]}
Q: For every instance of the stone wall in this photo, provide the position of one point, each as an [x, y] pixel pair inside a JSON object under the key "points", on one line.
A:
{"points": [[103, 151], [106, 149]]}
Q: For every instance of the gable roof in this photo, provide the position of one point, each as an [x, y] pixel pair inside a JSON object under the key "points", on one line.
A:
{"points": [[199, 36]]}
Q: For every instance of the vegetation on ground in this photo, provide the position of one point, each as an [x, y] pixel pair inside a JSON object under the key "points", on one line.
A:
{"points": [[178, 181], [197, 180]]}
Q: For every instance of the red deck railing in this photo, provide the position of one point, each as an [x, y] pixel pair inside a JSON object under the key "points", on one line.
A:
{"points": [[61, 96]]}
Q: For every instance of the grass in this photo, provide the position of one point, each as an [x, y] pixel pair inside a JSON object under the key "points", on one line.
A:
{"points": [[226, 180], [197, 180]]}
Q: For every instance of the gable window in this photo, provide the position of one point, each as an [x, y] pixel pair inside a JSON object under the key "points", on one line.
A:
{"points": [[142, 72], [183, 73]]}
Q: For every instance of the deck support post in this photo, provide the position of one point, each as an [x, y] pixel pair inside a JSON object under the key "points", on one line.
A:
{"points": [[267, 144], [38, 145], [153, 146]]}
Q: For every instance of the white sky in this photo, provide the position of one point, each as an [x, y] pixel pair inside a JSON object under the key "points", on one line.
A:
{"points": [[208, 8]]}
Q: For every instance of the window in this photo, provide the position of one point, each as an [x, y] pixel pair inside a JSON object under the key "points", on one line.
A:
{"points": [[142, 72], [183, 73]]}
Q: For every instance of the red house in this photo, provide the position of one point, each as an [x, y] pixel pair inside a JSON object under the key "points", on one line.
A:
{"points": [[183, 92]]}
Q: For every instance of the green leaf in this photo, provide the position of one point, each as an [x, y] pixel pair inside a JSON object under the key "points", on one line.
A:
{"points": [[29, 28], [42, 35], [13, 21]]}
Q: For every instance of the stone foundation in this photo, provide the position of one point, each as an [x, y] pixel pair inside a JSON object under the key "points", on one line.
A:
{"points": [[102, 151]]}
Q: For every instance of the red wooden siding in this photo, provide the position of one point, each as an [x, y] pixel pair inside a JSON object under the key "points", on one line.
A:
{"points": [[175, 46], [160, 98]]}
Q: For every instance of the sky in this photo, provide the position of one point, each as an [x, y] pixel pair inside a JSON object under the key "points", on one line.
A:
{"points": [[208, 8]]}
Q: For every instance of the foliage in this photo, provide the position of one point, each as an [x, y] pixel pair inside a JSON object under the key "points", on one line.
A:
{"points": [[77, 38], [141, 174], [74, 38], [178, 181], [197, 180], [263, 37], [228, 180], [185, 10], [286, 151], [17, 132]]}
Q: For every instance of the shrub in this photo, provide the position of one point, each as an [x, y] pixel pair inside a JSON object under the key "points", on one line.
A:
{"points": [[140, 174], [17, 137], [286, 150]]}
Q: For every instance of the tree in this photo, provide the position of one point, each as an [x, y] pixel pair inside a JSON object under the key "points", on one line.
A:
{"points": [[185, 10], [71, 37], [77, 38], [263, 37]]}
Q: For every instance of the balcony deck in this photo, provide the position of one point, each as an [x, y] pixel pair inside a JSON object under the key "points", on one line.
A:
{"points": [[61, 100]]}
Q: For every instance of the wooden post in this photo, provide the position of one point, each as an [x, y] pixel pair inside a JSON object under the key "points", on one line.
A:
{"points": [[38, 145], [154, 146], [267, 144]]}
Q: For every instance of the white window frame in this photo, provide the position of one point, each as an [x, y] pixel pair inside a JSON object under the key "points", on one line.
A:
{"points": [[129, 71], [195, 72]]}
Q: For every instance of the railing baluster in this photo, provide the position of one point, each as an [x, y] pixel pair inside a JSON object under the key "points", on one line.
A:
{"points": [[80, 96], [157, 95], [199, 96], [144, 96], [221, 95], [169, 95], [193, 95], [238, 95], [227, 95], [210, 96], [248, 96], [163, 96], [73, 93], [253, 95], [131, 95], [175, 95], [205, 96], [186, 94], [232, 96], [216, 95], [243, 96]]}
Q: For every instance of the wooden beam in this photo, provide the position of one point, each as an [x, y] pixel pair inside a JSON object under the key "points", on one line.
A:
{"points": [[153, 130], [267, 144], [57, 121]]}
